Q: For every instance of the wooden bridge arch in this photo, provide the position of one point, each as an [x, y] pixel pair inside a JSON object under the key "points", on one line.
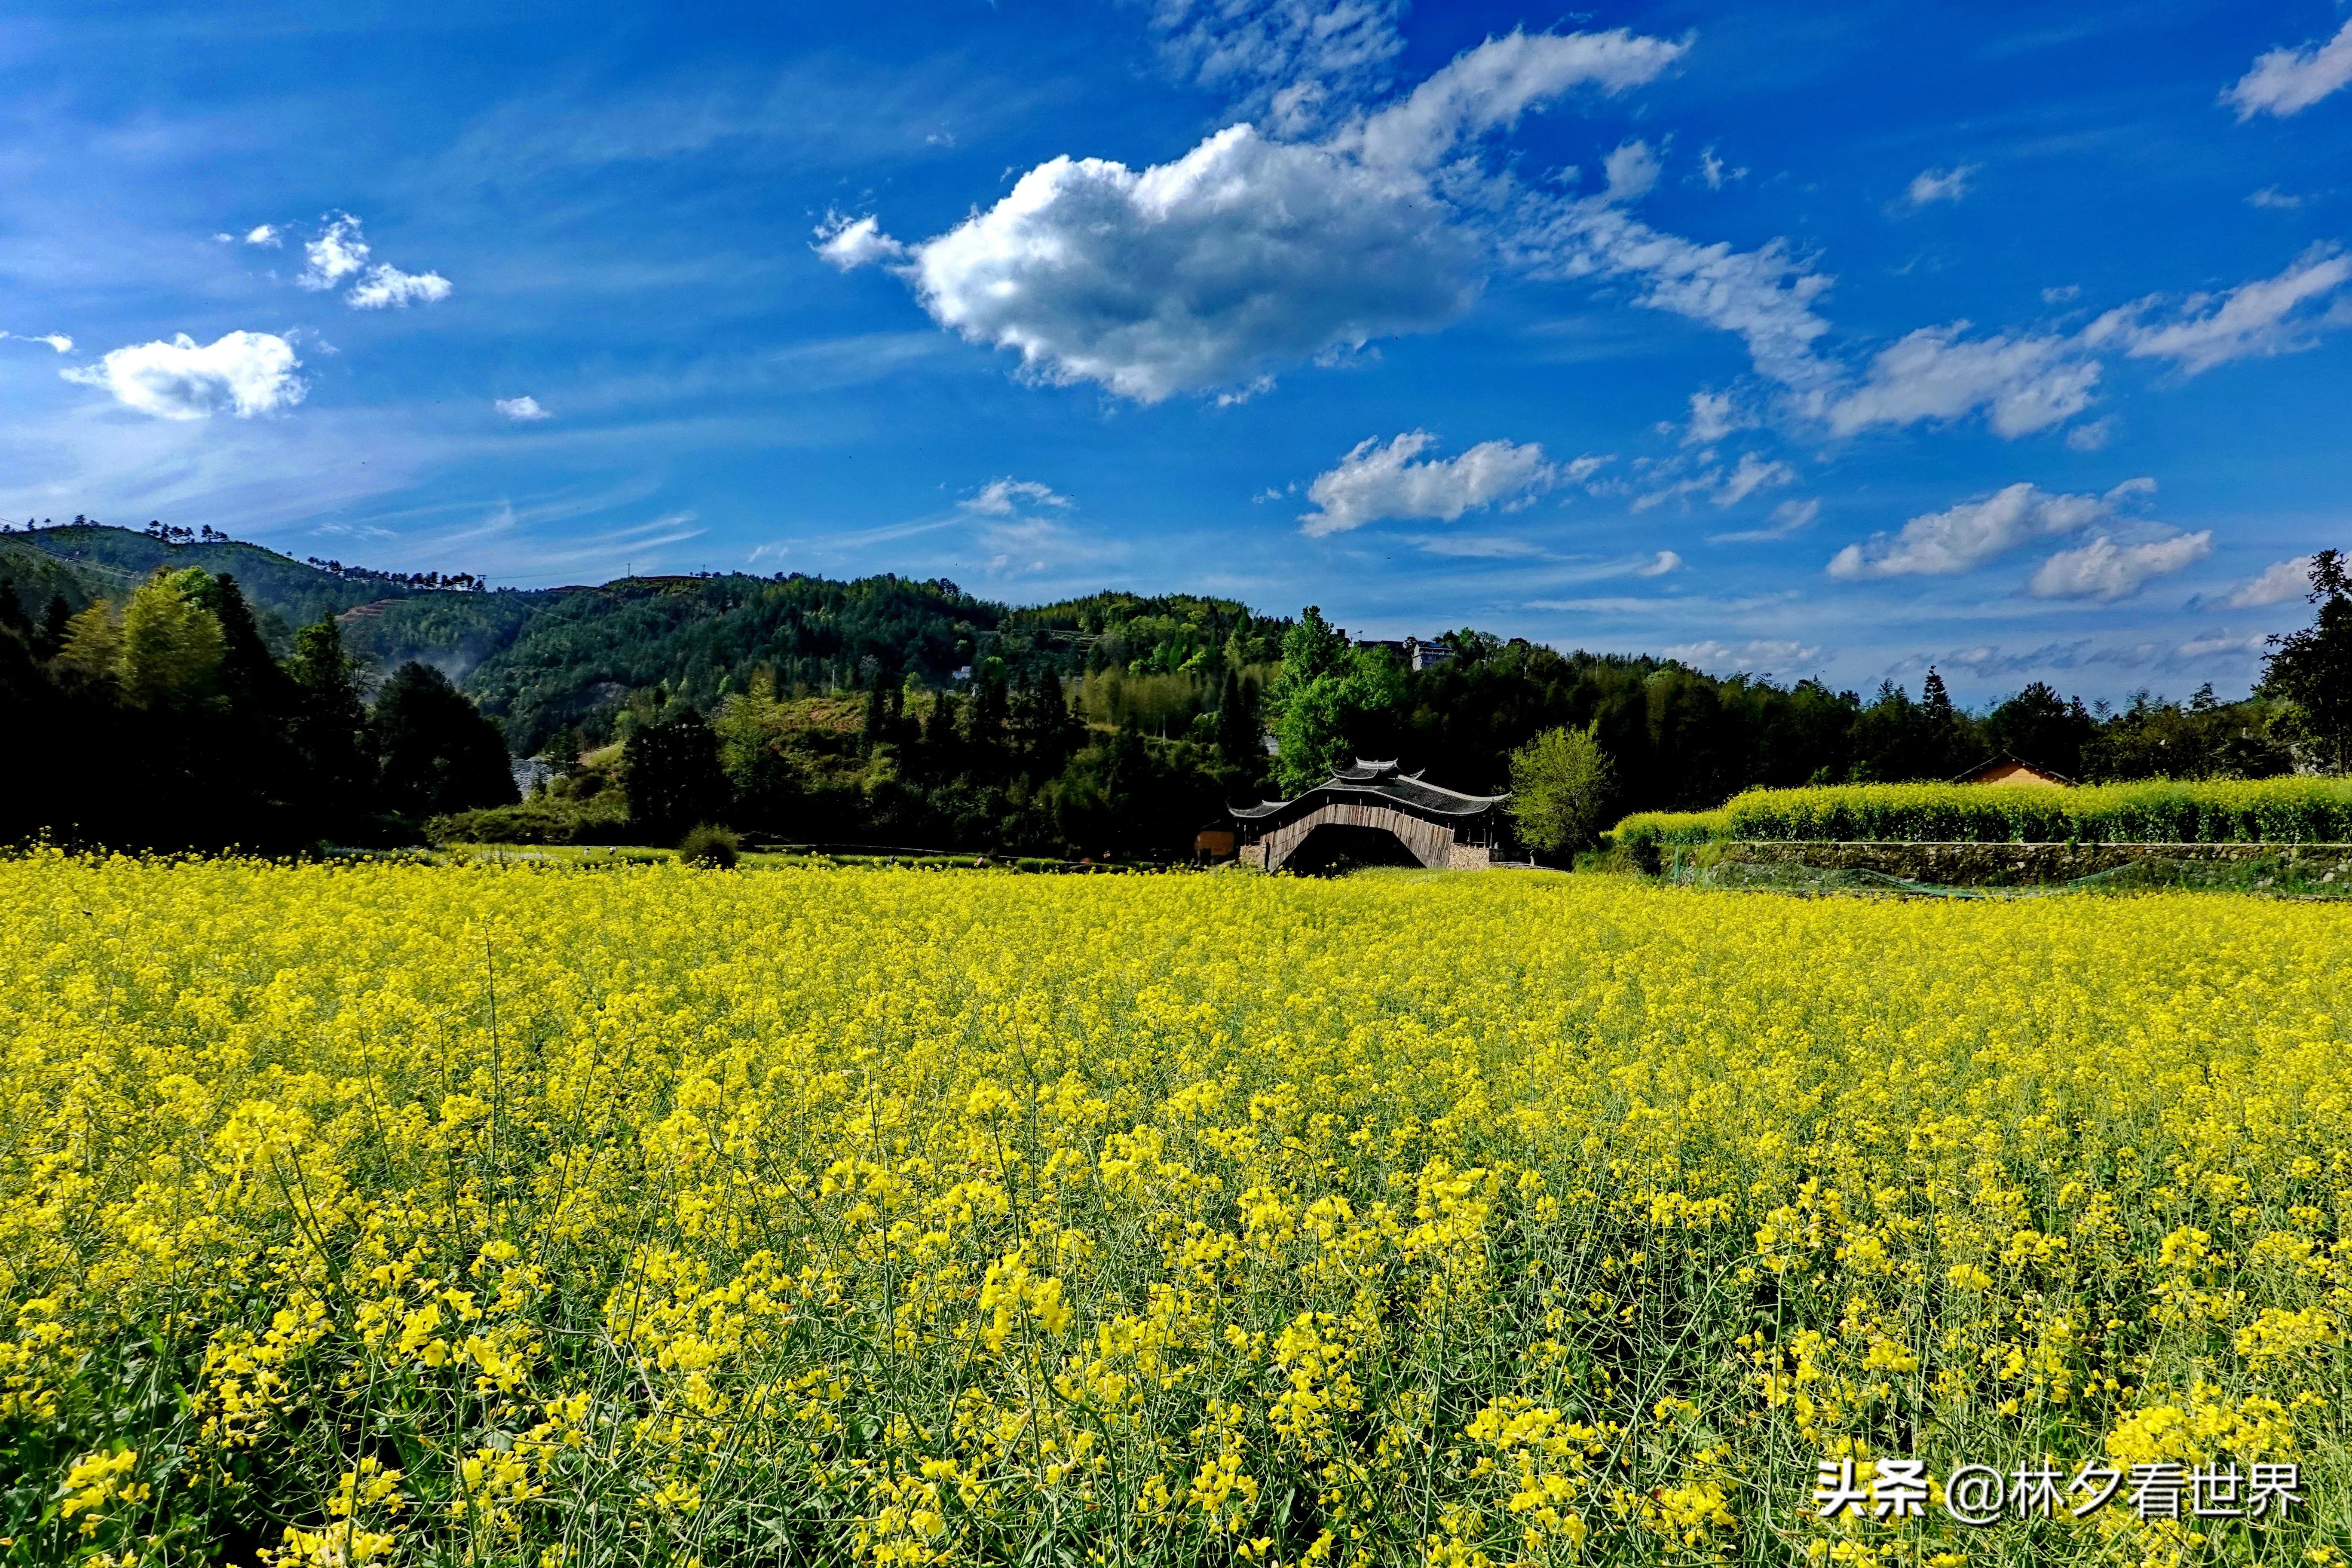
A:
{"points": [[1440, 828], [1430, 843]]}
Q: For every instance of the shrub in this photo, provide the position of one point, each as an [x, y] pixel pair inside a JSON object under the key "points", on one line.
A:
{"points": [[709, 845], [2231, 811]]}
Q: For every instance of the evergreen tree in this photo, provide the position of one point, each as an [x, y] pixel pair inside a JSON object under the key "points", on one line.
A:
{"points": [[53, 622], [672, 773], [329, 729], [436, 751], [1239, 735], [2312, 668]]}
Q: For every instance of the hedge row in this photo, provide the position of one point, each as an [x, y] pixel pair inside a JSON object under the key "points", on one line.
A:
{"points": [[2237, 811]]}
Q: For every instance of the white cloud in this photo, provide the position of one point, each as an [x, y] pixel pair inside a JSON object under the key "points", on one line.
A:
{"points": [[1291, 63], [1765, 296], [1003, 497], [2106, 571], [2288, 80], [56, 341], [2092, 437], [1631, 171], [340, 251], [2266, 317], [390, 288], [1751, 474], [1713, 172], [2023, 384], [337, 253], [1717, 656], [1931, 185], [1791, 517], [1377, 480], [2279, 582], [1197, 273], [265, 233], [848, 243], [1713, 416], [1664, 561], [1940, 544], [523, 410], [2061, 293], [2272, 196], [244, 373]]}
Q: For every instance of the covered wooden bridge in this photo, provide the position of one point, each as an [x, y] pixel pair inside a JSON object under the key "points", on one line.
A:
{"points": [[1369, 811]]}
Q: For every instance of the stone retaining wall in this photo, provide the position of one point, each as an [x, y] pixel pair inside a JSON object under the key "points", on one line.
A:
{"points": [[1967, 865]]}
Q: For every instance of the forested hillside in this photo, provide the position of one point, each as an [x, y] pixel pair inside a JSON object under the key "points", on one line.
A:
{"points": [[891, 709]]}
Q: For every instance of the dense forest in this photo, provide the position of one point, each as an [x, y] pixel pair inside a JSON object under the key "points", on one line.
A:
{"points": [[195, 689]]}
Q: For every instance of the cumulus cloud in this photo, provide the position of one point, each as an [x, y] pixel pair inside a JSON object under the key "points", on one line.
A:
{"points": [[1289, 64], [523, 410], [1379, 479], [265, 233], [387, 287], [2105, 570], [244, 374], [1247, 250], [341, 252], [2022, 383], [56, 341], [1939, 544], [337, 253], [847, 243], [1931, 185], [2286, 82], [1003, 497], [1632, 170], [2279, 582], [2266, 317]]}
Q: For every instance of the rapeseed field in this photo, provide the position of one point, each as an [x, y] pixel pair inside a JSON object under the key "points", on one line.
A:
{"points": [[404, 1214]]}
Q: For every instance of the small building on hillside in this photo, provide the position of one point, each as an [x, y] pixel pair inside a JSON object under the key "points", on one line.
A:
{"points": [[2014, 772], [1368, 813]]}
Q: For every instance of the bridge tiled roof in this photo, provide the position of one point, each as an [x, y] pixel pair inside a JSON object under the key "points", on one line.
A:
{"points": [[1362, 778]]}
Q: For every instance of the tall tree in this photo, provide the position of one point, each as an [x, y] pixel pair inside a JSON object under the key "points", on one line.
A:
{"points": [[329, 729], [2312, 668], [672, 773], [435, 751], [1323, 694], [1562, 786]]}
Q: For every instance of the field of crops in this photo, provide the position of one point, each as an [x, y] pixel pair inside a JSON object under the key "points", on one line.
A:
{"points": [[2224, 811], [536, 1216]]}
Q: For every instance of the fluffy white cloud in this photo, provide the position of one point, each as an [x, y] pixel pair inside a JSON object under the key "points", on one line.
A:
{"points": [[337, 253], [1938, 544], [1751, 474], [56, 341], [2106, 571], [340, 251], [1247, 250], [244, 374], [265, 233], [848, 243], [2268, 316], [1381, 480], [2023, 384], [1931, 185], [1632, 170], [389, 288], [2279, 582], [2288, 80], [523, 410], [1289, 64], [1003, 497]]}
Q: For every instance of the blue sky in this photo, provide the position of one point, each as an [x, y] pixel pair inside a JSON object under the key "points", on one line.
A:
{"points": [[1806, 340]]}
